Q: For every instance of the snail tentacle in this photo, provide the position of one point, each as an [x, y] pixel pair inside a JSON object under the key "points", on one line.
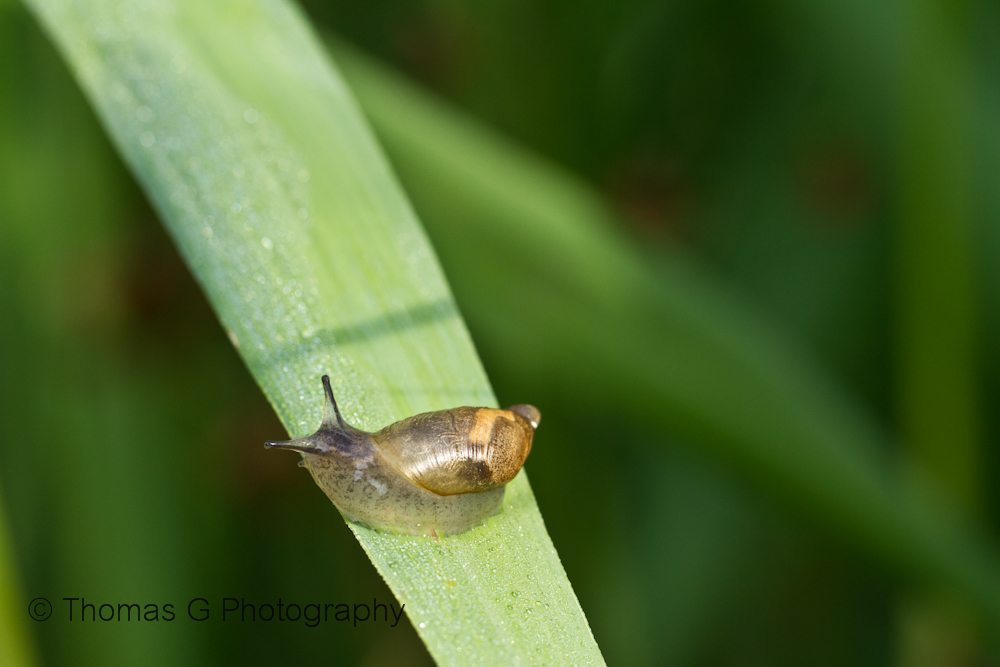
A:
{"points": [[305, 445], [331, 404]]}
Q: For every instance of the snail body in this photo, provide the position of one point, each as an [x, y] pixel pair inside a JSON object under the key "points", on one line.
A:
{"points": [[435, 473]]}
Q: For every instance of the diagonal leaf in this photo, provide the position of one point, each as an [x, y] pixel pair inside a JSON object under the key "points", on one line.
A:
{"points": [[251, 149]]}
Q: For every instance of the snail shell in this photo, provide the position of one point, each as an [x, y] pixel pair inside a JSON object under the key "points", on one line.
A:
{"points": [[435, 473]]}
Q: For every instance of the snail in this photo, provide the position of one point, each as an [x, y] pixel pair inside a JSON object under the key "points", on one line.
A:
{"points": [[435, 473]]}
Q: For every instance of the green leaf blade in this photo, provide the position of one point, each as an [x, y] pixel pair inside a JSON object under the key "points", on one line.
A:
{"points": [[254, 154]]}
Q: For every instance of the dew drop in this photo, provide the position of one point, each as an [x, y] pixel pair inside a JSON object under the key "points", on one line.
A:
{"points": [[251, 115], [122, 94], [304, 175], [266, 242], [147, 139], [144, 114]]}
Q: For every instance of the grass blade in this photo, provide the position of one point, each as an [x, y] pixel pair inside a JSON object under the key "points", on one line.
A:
{"points": [[251, 149], [16, 648]]}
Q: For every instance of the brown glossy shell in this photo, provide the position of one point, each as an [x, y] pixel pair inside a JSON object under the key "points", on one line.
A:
{"points": [[462, 450]]}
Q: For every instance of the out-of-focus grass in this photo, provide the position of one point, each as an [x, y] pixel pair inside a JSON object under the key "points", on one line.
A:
{"points": [[938, 319], [682, 354], [938, 323], [16, 642]]}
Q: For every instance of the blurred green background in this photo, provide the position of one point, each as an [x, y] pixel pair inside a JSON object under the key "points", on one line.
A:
{"points": [[831, 168]]}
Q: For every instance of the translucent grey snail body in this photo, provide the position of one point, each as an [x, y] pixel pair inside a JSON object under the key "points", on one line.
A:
{"points": [[435, 473]]}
